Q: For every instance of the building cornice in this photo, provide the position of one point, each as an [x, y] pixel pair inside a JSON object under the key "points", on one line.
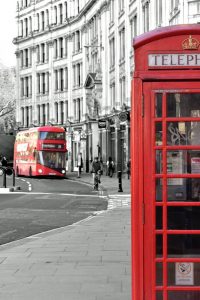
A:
{"points": [[52, 28]]}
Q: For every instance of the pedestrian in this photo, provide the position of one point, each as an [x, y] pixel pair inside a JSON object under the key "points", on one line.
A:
{"points": [[96, 168], [110, 166], [129, 168], [4, 162], [79, 164]]}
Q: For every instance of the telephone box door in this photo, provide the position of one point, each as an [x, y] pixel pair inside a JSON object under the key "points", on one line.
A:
{"points": [[171, 150]]}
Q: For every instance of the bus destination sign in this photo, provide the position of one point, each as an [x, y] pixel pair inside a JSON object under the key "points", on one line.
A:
{"points": [[52, 146]]}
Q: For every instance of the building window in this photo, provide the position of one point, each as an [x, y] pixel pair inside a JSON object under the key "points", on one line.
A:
{"points": [[112, 10], [66, 12], [56, 112], [47, 17], [56, 80], [145, 11], [122, 44], [42, 21], [55, 15], [77, 109], [61, 13], [133, 24], [78, 75], [121, 5], [38, 83], [26, 57], [174, 4], [30, 24], [22, 58], [61, 80], [61, 47], [43, 83], [26, 27], [62, 112], [43, 52], [78, 42], [21, 29], [112, 52], [38, 22], [159, 13], [55, 49]]}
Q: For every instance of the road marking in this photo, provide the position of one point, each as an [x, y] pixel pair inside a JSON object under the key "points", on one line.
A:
{"points": [[60, 194], [117, 200]]}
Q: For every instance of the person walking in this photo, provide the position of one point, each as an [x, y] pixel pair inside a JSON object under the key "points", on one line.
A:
{"points": [[4, 162], [110, 166], [80, 164], [129, 168], [96, 169]]}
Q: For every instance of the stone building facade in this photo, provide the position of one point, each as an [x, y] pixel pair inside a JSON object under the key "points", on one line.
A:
{"points": [[74, 68]]}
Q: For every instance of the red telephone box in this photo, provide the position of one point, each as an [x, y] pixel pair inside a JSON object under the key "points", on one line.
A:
{"points": [[165, 140]]}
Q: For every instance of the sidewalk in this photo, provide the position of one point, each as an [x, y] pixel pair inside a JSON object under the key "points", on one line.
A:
{"points": [[89, 260]]}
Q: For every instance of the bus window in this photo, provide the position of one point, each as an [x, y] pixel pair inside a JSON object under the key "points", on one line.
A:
{"points": [[52, 135]]}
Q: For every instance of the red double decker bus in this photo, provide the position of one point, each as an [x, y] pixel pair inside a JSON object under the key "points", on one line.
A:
{"points": [[40, 151]]}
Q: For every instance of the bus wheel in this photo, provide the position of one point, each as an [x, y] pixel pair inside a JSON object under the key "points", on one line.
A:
{"points": [[30, 172]]}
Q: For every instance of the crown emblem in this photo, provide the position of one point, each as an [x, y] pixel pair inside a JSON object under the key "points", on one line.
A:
{"points": [[190, 43]]}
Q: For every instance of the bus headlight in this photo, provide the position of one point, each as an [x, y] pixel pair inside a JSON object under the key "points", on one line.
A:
{"points": [[63, 171], [40, 171]]}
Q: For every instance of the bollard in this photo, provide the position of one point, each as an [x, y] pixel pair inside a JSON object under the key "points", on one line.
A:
{"points": [[79, 172], [13, 178], [120, 181], [4, 178]]}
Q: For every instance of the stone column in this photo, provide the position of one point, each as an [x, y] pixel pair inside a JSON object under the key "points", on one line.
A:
{"points": [[25, 116], [41, 114], [30, 115], [47, 82], [46, 52], [65, 78], [65, 111]]}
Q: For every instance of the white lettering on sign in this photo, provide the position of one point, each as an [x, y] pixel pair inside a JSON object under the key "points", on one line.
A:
{"points": [[22, 147], [174, 60]]}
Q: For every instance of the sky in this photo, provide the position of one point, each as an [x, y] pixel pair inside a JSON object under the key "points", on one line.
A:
{"points": [[8, 30]]}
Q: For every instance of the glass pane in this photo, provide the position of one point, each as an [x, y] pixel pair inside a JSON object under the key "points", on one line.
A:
{"points": [[183, 105], [184, 273], [158, 133], [158, 106], [183, 189], [183, 133], [158, 189], [183, 161], [159, 217], [184, 295], [182, 245], [159, 295], [159, 274], [158, 161], [159, 245], [183, 218]]}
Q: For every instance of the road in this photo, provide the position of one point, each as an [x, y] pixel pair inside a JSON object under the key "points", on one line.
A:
{"points": [[45, 204]]}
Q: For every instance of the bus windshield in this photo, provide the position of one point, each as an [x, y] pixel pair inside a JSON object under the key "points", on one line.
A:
{"points": [[46, 135], [53, 160]]}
